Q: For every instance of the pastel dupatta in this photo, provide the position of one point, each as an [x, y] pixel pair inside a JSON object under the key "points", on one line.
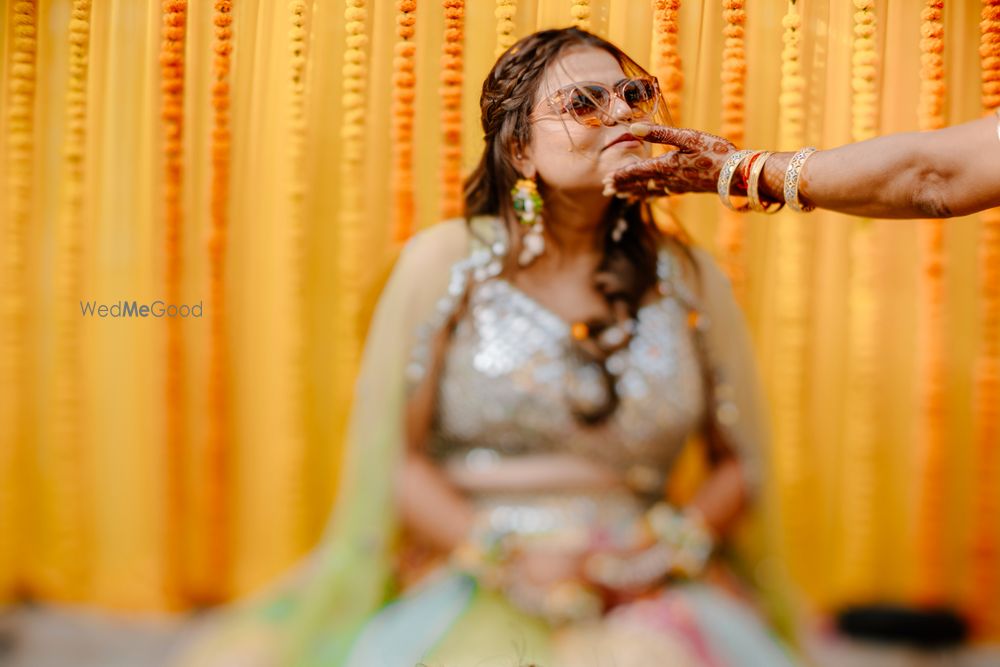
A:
{"points": [[333, 591], [335, 588]]}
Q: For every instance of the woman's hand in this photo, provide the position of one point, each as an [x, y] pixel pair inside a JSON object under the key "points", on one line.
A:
{"points": [[545, 568], [550, 584], [693, 167]]}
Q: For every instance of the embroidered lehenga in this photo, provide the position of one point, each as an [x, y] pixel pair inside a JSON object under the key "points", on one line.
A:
{"points": [[502, 425]]}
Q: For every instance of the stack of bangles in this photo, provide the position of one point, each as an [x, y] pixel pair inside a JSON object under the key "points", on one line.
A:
{"points": [[742, 170], [677, 544]]}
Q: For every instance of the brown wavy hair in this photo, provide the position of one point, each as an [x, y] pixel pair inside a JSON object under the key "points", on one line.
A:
{"points": [[628, 269]]}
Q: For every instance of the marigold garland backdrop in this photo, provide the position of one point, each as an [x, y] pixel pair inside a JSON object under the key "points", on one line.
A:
{"points": [[266, 159]]}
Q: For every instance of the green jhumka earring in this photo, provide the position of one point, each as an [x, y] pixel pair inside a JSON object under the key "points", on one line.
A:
{"points": [[528, 209]]}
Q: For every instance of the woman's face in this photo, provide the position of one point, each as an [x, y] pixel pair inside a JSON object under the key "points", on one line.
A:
{"points": [[565, 154]]}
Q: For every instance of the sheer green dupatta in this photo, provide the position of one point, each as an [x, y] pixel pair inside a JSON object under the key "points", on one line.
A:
{"points": [[353, 572], [312, 615]]}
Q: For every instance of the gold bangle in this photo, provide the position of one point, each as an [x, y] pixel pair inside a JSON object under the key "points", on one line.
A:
{"points": [[753, 183], [729, 168], [792, 175]]}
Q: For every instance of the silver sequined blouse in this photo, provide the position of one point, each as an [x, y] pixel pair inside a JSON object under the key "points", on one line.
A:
{"points": [[501, 391]]}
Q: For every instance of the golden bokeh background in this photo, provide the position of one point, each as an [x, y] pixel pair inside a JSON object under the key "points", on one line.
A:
{"points": [[99, 505]]}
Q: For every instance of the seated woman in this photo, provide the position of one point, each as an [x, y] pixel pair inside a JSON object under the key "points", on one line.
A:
{"points": [[530, 377]]}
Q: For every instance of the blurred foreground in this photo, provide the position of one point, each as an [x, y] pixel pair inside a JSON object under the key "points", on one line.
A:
{"points": [[43, 636]]}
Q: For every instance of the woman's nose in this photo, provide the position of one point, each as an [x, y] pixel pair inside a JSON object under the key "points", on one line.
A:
{"points": [[620, 111]]}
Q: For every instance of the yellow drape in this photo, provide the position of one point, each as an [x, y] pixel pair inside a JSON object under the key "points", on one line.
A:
{"points": [[87, 518]]}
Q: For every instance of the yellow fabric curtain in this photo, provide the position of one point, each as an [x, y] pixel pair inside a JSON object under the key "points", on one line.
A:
{"points": [[107, 498]]}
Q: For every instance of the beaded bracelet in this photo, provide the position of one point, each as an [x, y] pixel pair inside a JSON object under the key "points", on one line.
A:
{"points": [[792, 176]]}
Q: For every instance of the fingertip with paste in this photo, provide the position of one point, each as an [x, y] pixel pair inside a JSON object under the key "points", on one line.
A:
{"points": [[640, 129]]}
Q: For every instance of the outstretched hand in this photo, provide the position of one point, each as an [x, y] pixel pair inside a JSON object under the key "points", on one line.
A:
{"points": [[693, 167]]}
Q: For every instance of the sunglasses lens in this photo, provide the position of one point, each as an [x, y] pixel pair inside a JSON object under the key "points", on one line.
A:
{"points": [[587, 103], [640, 95]]}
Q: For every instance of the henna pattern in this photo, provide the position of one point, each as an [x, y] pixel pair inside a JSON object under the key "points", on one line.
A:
{"points": [[693, 167]]}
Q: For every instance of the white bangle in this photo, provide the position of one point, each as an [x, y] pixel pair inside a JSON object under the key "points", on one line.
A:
{"points": [[792, 175]]}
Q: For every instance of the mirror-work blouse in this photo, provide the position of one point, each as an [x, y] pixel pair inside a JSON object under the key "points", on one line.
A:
{"points": [[501, 392]]}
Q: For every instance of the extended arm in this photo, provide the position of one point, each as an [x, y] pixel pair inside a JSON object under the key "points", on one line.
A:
{"points": [[941, 173]]}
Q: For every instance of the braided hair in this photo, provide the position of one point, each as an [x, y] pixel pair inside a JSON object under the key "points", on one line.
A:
{"points": [[628, 269]]}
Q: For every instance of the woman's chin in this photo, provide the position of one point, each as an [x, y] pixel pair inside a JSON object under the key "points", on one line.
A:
{"points": [[618, 160]]}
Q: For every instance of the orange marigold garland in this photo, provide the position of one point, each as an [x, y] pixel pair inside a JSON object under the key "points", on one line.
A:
{"points": [[16, 540], [216, 453], [984, 572], [930, 518], [172, 111], [788, 387], [989, 52], [451, 109], [404, 82], [666, 55], [580, 11], [666, 59], [859, 535], [505, 12], [63, 449], [732, 227]]}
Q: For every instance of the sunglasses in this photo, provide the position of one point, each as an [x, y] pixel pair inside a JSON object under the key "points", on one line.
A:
{"points": [[591, 103]]}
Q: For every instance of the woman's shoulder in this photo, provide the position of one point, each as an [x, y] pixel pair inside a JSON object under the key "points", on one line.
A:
{"points": [[426, 262], [436, 238], [447, 240]]}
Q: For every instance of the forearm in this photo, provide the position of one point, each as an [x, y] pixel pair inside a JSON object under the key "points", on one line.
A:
{"points": [[430, 505], [722, 498], [877, 178], [938, 174]]}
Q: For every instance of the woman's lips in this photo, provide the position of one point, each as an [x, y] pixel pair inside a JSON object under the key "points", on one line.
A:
{"points": [[621, 139]]}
